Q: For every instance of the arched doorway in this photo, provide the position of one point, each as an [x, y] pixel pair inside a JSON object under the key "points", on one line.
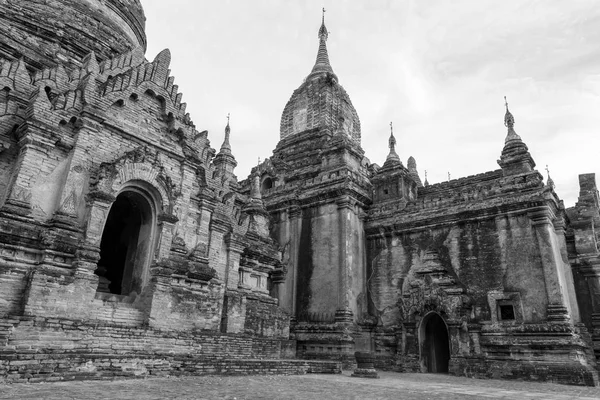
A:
{"points": [[435, 344], [126, 243]]}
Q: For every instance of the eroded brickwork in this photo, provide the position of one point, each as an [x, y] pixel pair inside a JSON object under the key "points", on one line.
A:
{"points": [[117, 213], [129, 248], [37, 349], [487, 254], [50, 32]]}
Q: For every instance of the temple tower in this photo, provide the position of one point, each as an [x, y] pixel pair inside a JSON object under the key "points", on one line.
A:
{"points": [[224, 161], [320, 190]]}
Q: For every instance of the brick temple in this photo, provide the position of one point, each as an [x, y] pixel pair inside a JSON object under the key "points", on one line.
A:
{"points": [[128, 247]]}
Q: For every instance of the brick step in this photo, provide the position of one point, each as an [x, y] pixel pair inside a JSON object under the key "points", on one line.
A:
{"points": [[81, 368]]}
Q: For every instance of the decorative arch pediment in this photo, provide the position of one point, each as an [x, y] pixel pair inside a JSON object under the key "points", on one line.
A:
{"points": [[141, 164], [422, 299], [148, 111]]}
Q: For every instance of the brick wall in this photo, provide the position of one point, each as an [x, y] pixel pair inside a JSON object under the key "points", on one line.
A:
{"points": [[69, 30], [12, 285], [37, 349], [265, 318]]}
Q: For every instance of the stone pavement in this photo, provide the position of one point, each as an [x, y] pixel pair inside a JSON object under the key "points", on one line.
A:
{"points": [[311, 386]]}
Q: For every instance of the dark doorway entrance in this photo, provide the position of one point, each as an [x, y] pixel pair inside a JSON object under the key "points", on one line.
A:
{"points": [[435, 350], [124, 240]]}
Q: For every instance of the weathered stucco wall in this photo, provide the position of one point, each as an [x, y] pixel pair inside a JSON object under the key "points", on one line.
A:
{"points": [[363, 257], [479, 256], [325, 249], [319, 261], [102, 130]]}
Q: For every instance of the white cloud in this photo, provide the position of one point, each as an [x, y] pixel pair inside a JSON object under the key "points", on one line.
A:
{"points": [[438, 69]]}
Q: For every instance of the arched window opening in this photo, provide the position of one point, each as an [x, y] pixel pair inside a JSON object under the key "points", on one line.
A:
{"points": [[4, 93], [51, 95], [125, 247], [266, 184]]}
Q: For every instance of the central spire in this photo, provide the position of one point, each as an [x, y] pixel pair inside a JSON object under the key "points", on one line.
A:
{"points": [[322, 63]]}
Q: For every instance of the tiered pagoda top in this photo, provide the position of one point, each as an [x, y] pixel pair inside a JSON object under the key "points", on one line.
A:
{"points": [[320, 102]]}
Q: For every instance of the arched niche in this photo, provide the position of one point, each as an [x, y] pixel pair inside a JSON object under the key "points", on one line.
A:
{"points": [[266, 184], [128, 241], [434, 343]]}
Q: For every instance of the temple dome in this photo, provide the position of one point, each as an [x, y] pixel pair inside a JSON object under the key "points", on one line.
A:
{"points": [[320, 102], [46, 33]]}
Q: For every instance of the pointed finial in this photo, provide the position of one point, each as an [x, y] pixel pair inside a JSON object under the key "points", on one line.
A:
{"points": [[448, 176], [549, 182], [323, 34], [322, 63], [227, 129], [392, 141], [509, 122], [226, 147], [426, 183], [255, 187], [392, 145]]}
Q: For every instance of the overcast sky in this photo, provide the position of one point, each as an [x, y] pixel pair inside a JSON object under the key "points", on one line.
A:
{"points": [[438, 69]]}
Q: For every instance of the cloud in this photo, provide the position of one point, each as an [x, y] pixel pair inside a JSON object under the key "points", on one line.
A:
{"points": [[438, 69]]}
